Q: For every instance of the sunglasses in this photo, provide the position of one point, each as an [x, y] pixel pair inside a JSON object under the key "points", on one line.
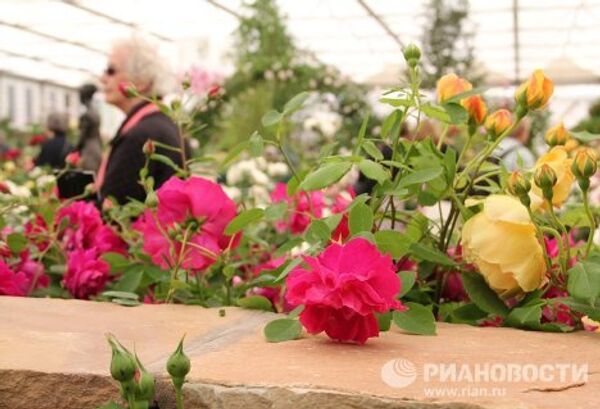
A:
{"points": [[110, 71]]}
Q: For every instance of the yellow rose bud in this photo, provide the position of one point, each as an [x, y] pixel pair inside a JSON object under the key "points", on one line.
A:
{"points": [[557, 135], [450, 85], [557, 159], [498, 122], [571, 145], [517, 184], [501, 242], [585, 164], [476, 108], [535, 92]]}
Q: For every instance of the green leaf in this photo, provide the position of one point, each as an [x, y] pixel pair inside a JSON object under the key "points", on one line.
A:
{"points": [[333, 221], [165, 160], [111, 405], [117, 261], [256, 145], [276, 211], [392, 242], [318, 232], [468, 313], [288, 245], [373, 170], [131, 279], [372, 150], [360, 219], [255, 302], [271, 118], [396, 102], [291, 265], [585, 136], [361, 134], [390, 122], [295, 103], [125, 302], [16, 242], [244, 219], [407, 279], [450, 164], [430, 254], [417, 320], [121, 294], [294, 182], [458, 114], [233, 154], [384, 321], [296, 311], [481, 294], [283, 329], [584, 281], [525, 317], [325, 175], [420, 176], [592, 311], [435, 112]]}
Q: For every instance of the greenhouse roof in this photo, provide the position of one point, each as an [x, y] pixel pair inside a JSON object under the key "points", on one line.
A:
{"points": [[65, 41]]}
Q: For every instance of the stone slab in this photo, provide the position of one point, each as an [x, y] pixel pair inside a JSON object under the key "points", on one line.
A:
{"points": [[53, 354]]}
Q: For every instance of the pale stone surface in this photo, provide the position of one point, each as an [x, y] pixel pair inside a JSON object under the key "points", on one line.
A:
{"points": [[53, 354]]}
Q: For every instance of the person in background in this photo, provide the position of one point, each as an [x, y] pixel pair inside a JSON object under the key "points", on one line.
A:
{"points": [[56, 148], [135, 63], [90, 144], [513, 150]]}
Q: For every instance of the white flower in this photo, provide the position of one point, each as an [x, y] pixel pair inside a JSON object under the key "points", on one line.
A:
{"points": [[233, 192], [299, 249], [269, 75], [194, 144], [261, 163], [281, 75], [259, 177], [16, 190], [9, 166], [45, 181], [261, 196], [277, 169]]}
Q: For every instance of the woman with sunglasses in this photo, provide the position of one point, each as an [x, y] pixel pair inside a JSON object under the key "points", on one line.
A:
{"points": [[136, 63]]}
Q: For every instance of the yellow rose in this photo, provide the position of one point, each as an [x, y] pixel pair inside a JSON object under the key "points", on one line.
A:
{"points": [[498, 122], [558, 159], [535, 92], [501, 242], [450, 85], [557, 135]]}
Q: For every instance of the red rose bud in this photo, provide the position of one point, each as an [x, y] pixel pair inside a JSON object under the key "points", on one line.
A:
{"points": [[37, 140], [545, 178], [12, 154], [144, 382], [214, 92], [127, 89], [73, 159], [148, 147], [4, 188], [557, 135]]}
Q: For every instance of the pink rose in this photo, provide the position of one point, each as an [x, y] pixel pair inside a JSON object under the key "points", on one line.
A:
{"points": [[340, 204], [342, 290], [302, 208], [272, 293], [12, 283], [73, 159], [196, 208], [86, 273], [33, 270]]}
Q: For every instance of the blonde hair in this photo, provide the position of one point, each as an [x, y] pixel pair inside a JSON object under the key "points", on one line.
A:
{"points": [[144, 64]]}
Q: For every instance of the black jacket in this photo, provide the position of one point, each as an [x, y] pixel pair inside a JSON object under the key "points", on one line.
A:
{"points": [[53, 152], [122, 177]]}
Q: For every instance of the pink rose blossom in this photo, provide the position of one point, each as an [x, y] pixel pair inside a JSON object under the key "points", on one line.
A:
{"points": [[12, 283], [340, 204], [301, 208], [86, 273], [342, 290], [196, 208]]}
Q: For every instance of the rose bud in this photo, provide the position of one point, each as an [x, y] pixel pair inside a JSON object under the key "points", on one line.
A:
{"points": [[584, 166], [412, 55], [545, 178], [127, 89], [122, 365], [498, 122], [148, 147], [73, 159], [519, 186], [144, 383], [178, 365], [557, 135], [534, 93], [476, 108], [450, 85], [214, 92]]}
